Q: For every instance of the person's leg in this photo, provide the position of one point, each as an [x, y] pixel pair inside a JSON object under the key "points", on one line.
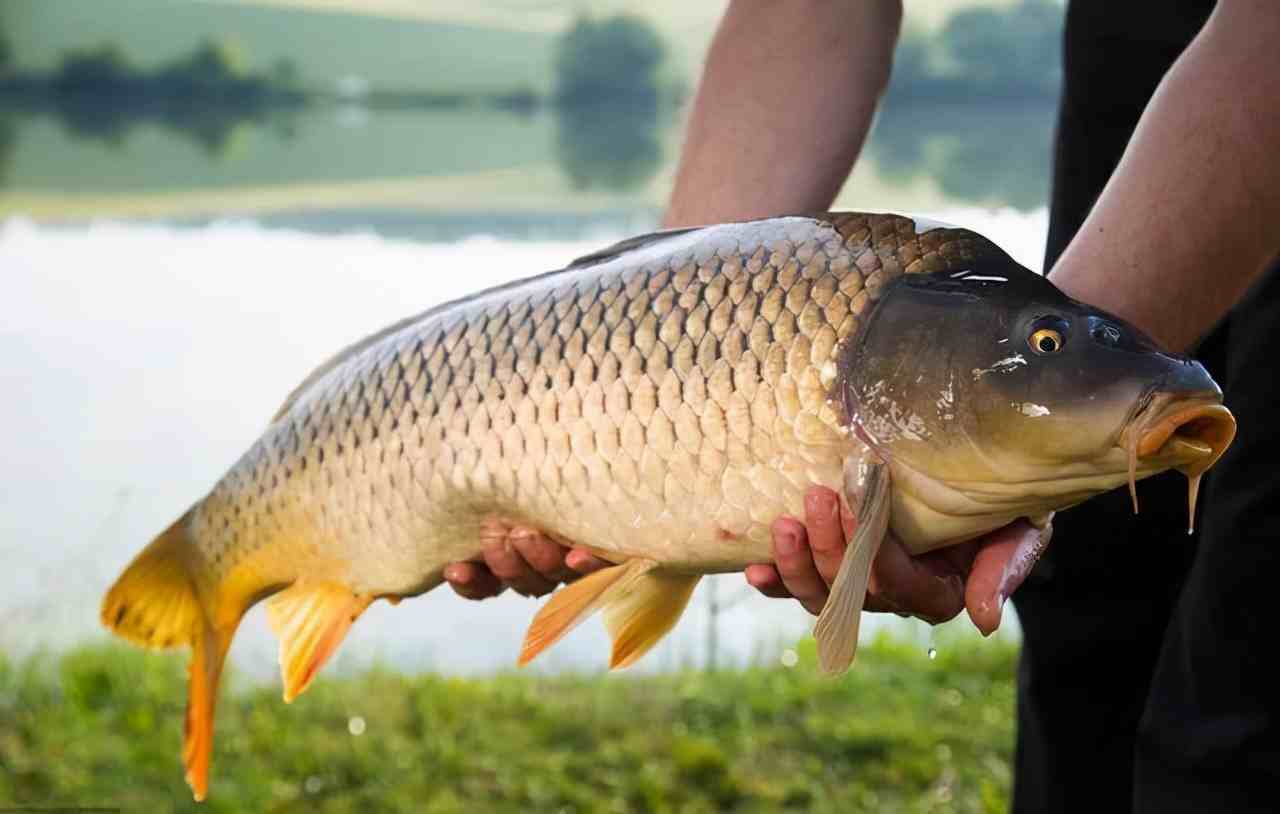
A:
{"points": [[1095, 611], [1092, 622], [1209, 738]]}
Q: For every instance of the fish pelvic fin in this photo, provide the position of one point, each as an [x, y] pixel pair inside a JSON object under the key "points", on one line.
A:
{"points": [[867, 483], [311, 619], [641, 616], [573, 603], [154, 603]]}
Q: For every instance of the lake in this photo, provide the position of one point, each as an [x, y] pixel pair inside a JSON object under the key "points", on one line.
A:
{"points": [[167, 283]]}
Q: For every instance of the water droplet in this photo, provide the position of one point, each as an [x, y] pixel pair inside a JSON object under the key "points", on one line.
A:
{"points": [[789, 658], [355, 725], [933, 652]]}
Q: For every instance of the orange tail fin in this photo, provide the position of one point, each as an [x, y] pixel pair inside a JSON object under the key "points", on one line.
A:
{"points": [[154, 604]]}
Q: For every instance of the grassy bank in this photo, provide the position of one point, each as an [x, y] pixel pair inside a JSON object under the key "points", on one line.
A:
{"points": [[100, 727]]}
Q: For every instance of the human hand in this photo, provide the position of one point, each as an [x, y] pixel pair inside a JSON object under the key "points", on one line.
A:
{"points": [[978, 576], [522, 558]]}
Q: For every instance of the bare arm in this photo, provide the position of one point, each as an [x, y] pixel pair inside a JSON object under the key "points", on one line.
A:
{"points": [[1191, 215], [784, 105]]}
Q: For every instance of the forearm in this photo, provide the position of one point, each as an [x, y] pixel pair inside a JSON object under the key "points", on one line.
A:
{"points": [[783, 107], [1191, 216]]}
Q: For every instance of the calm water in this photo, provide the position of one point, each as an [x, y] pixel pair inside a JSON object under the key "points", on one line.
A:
{"points": [[165, 288]]}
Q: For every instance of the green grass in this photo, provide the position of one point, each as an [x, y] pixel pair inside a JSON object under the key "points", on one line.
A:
{"points": [[100, 726]]}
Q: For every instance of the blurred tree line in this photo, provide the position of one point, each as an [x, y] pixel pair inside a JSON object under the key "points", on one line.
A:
{"points": [[206, 94], [984, 53], [216, 70], [610, 94], [614, 93]]}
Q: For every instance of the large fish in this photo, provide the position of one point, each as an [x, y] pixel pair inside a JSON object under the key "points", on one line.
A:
{"points": [[661, 402]]}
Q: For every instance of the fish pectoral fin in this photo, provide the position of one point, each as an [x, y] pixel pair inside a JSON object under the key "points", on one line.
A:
{"points": [[575, 602], [311, 619], [639, 617], [867, 488]]}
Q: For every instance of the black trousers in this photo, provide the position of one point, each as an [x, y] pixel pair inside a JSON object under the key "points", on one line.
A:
{"points": [[1147, 680]]}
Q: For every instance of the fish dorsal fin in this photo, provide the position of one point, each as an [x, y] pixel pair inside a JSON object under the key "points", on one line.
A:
{"points": [[573, 603], [643, 614], [867, 487], [311, 619], [629, 245]]}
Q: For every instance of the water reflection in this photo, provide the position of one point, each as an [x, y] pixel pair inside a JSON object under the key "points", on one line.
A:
{"points": [[212, 127], [996, 155], [181, 161], [8, 136], [615, 149]]}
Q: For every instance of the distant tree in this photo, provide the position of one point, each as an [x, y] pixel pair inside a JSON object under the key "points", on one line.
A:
{"points": [[103, 66], [215, 64], [611, 60], [1014, 49]]}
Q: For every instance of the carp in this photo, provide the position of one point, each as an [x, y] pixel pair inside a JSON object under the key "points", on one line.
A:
{"points": [[661, 402]]}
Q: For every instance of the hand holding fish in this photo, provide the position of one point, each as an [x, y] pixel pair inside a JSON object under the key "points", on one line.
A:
{"points": [[978, 576], [524, 560]]}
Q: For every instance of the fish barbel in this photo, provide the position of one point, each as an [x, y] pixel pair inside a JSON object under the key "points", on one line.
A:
{"points": [[661, 402]]}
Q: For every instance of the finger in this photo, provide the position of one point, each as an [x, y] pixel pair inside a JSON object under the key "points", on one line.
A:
{"points": [[584, 562], [766, 579], [1003, 561], [507, 565], [826, 532], [794, 561], [925, 586], [543, 554], [472, 580]]}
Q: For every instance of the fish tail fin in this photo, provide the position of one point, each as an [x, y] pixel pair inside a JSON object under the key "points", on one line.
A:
{"points": [[154, 603], [208, 653]]}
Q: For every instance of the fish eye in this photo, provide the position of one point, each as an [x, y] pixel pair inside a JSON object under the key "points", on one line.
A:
{"points": [[1048, 335]]}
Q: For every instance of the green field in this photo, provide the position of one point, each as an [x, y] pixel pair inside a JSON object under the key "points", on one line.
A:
{"points": [[387, 52], [900, 732]]}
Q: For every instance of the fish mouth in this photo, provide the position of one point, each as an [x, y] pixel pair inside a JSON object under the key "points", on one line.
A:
{"points": [[1190, 436], [1186, 432]]}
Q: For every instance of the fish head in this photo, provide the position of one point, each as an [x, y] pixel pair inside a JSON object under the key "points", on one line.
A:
{"points": [[994, 396]]}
